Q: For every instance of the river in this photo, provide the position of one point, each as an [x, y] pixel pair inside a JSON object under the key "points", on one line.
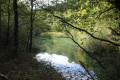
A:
{"points": [[63, 54]]}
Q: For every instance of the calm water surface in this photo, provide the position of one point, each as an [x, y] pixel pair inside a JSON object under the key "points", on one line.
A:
{"points": [[69, 70], [61, 53]]}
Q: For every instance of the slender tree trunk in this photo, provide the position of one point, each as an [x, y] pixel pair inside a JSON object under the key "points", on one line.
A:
{"points": [[31, 29], [28, 41], [15, 6], [0, 18], [8, 23]]}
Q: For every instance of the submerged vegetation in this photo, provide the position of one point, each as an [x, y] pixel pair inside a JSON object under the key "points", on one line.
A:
{"points": [[87, 31]]}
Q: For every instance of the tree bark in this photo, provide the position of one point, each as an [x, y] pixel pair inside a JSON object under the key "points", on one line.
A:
{"points": [[31, 29], [8, 22], [15, 6], [0, 18]]}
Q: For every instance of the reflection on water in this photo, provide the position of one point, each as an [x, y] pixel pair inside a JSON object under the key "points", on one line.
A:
{"points": [[108, 56], [61, 63]]}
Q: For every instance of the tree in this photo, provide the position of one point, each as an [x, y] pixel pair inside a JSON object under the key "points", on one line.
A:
{"points": [[15, 6], [94, 18], [31, 29], [0, 18], [8, 22]]}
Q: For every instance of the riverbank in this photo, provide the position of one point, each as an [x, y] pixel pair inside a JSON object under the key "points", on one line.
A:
{"points": [[25, 67]]}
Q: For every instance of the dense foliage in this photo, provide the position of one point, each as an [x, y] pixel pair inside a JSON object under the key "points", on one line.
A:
{"points": [[94, 25]]}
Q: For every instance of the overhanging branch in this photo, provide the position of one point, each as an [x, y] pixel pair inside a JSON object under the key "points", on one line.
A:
{"points": [[62, 20], [87, 52], [86, 70]]}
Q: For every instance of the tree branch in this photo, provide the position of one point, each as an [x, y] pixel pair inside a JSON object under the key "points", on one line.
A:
{"points": [[114, 31], [105, 11], [62, 20], [87, 52], [86, 69]]}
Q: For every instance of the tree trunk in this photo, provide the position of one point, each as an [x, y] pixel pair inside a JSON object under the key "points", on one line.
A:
{"points": [[0, 18], [8, 22], [15, 6], [31, 29]]}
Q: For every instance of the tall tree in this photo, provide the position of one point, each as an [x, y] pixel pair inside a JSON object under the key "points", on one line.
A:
{"points": [[31, 29], [8, 22], [15, 6], [0, 18]]}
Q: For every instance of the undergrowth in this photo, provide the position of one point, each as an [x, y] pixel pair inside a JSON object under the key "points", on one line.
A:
{"points": [[25, 67]]}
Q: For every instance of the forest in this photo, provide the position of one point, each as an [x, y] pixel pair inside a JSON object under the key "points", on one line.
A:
{"points": [[86, 31]]}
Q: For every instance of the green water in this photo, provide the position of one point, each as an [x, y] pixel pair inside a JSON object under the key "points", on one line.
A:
{"points": [[66, 47], [59, 45]]}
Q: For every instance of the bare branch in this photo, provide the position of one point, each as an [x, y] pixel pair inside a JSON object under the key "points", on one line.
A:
{"points": [[84, 74], [86, 69], [87, 52]]}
